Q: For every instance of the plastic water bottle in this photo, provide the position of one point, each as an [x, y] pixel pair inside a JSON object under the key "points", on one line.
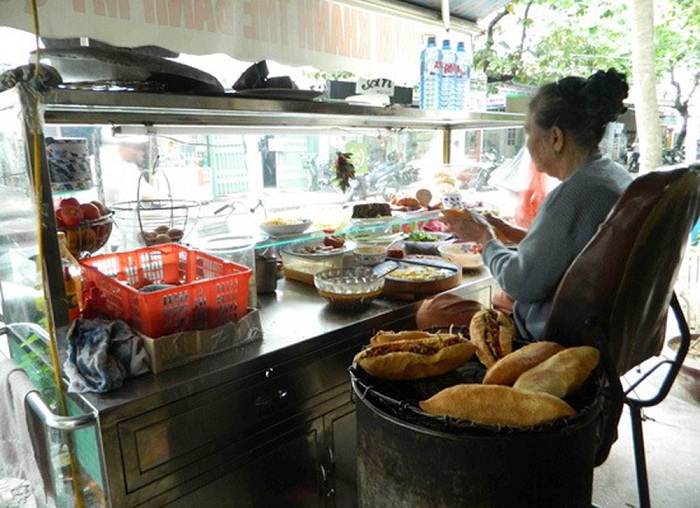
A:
{"points": [[447, 78], [430, 69], [461, 78]]}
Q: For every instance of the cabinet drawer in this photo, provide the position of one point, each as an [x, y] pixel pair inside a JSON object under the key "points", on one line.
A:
{"points": [[177, 442]]}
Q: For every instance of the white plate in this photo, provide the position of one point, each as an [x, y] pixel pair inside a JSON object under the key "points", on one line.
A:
{"points": [[279, 230], [455, 254], [301, 249]]}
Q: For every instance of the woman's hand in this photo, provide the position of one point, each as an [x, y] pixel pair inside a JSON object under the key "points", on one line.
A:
{"points": [[505, 232], [468, 226]]}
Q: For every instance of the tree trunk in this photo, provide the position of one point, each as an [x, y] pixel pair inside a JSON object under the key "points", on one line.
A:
{"points": [[644, 84]]}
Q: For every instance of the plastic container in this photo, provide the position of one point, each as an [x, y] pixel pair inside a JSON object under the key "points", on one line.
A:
{"points": [[430, 65], [236, 249], [302, 267], [202, 291], [448, 72], [460, 93]]}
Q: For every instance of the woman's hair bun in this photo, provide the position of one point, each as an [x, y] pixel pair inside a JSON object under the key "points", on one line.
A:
{"points": [[604, 92]]}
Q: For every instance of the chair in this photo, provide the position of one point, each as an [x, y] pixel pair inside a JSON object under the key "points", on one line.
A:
{"points": [[617, 292]]}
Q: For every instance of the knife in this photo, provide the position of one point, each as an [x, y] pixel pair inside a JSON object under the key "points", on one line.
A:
{"points": [[435, 263]]}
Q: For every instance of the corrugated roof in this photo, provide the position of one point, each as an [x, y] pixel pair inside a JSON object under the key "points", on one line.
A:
{"points": [[469, 10]]}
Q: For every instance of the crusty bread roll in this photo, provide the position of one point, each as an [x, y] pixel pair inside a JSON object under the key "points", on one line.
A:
{"points": [[383, 337], [497, 405], [561, 374], [492, 333], [509, 368], [417, 358]]}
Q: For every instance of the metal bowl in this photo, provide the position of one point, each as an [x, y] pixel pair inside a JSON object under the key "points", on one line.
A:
{"points": [[349, 288]]}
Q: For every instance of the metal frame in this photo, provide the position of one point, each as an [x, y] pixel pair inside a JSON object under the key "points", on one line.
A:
{"points": [[36, 402]]}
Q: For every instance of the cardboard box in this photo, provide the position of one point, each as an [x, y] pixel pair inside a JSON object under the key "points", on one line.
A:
{"points": [[343, 89], [184, 347]]}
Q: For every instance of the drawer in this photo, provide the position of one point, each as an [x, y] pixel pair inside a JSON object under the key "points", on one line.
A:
{"points": [[174, 443]]}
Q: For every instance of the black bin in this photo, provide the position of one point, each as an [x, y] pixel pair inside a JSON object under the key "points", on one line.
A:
{"points": [[407, 458]]}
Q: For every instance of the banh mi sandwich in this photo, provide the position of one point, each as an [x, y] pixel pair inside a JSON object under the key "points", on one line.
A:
{"points": [[417, 358], [509, 368], [497, 405], [492, 333], [382, 336]]}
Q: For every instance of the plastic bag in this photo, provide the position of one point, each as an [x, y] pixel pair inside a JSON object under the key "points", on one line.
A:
{"points": [[530, 198]]}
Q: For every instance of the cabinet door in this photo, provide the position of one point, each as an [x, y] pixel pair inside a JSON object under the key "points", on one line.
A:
{"points": [[341, 455], [284, 473]]}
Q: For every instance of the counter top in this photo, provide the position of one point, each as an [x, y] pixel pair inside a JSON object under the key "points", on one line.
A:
{"points": [[296, 321]]}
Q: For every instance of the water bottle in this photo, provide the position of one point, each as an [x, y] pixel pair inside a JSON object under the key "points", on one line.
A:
{"points": [[447, 78], [461, 79], [430, 68]]}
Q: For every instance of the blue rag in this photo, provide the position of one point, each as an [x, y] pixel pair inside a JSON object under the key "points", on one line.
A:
{"points": [[102, 354]]}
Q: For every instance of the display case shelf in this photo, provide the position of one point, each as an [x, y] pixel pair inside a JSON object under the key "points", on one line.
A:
{"points": [[132, 108]]}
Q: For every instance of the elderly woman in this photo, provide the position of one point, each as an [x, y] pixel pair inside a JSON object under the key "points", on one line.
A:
{"points": [[565, 123]]}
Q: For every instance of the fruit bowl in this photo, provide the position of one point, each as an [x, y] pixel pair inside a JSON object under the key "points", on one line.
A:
{"points": [[89, 236], [349, 288]]}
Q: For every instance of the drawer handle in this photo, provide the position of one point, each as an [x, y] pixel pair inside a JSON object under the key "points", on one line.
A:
{"points": [[265, 400]]}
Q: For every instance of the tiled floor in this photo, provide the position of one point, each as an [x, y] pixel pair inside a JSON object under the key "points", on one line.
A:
{"points": [[672, 442]]}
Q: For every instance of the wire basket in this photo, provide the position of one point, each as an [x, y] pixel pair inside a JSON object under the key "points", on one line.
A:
{"points": [[147, 222], [89, 236]]}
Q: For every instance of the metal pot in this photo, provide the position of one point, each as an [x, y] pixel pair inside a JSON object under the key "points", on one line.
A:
{"points": [[405, 463]]}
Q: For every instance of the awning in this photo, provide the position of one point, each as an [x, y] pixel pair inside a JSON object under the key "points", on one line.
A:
{"points": [[371, 38]]}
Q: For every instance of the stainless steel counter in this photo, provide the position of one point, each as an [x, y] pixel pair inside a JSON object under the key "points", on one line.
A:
{"points": [[295, 321], [194, 434]]}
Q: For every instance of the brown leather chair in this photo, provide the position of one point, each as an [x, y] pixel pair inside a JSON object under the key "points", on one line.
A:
{"points": [[617, 293]]}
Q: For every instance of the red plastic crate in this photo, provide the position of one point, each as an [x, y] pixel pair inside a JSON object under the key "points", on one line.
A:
{"points": [[209, 292]]}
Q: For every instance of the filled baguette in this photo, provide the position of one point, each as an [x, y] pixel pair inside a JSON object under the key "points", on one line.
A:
{"points": [[492, 333], [417, 358], [508, 369], [561, 374], [497, 405], [384, 337]]}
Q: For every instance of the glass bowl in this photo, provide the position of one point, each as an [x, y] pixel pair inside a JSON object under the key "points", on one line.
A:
{"points": [[349, 288]]}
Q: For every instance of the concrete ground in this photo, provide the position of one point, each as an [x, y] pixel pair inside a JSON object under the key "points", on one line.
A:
{"points": [[672, 442]]}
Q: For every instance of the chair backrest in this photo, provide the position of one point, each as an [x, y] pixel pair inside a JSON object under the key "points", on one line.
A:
{"points": [[624, 277]]}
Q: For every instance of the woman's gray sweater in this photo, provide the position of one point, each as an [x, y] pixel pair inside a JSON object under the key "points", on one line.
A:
{"points": [[565, 222]]}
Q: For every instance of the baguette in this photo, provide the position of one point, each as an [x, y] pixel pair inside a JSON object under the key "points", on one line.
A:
{"points": [[492, 333], [383, 337], [561, 374], [497, 405], [508, 369], [415, 359]]}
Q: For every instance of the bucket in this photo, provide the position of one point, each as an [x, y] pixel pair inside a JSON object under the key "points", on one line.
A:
{"points": [[237, 249], [408, 458]]}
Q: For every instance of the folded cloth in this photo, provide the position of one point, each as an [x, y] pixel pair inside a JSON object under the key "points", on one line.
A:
{"points": [[102, 354], [24, 450]]}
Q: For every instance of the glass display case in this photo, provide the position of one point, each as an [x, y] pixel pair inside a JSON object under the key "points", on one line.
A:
{"points": [[241, 161]]}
